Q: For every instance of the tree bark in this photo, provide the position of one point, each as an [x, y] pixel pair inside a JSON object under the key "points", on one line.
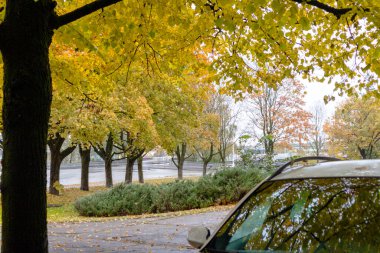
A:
{"points": [[206, 158], [129, 170], [140, 169], [205, 163], [180, 171], [55, 164], [85, 162], [25, 41], [25, 36], [106, 153], [222, 154], [108, 171], [180, 153], [55, 145]]}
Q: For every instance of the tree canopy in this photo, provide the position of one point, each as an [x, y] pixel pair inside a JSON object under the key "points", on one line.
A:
{"points": [[330, 40], [354, 130]]}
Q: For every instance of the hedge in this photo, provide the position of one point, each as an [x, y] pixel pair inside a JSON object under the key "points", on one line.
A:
{"points": [[226, 186]]}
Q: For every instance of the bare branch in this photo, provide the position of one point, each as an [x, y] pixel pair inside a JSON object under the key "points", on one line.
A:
{"points": [[81, 12], [67, 151], [174, 162]]}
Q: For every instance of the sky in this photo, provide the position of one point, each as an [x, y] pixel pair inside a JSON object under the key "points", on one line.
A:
{"points": [[315, 93]]}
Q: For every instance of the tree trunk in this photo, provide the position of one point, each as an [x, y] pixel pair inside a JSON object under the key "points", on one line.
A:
{"points": [[129, 170], [180, 153], [222, 154], [180, 169], [140, 169], [205, 163], [108, 170], [55, 164], [106, 153], [85, 162], [26, 110], [57, 157]]}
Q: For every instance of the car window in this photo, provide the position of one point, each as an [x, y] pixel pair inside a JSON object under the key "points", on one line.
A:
{"points": [[305, 215]]}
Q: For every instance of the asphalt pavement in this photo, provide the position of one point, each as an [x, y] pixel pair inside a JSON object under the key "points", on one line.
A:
{"points": [[156, 235], [152, 169]]}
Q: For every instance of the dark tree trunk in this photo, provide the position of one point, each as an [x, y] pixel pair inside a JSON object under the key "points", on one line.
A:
{"points": [[108, 171], [25, 41], [205, 163], [106, 153], [25, 36], [55, 145], [222, 154], [55, 164], [365, 153], [129, 170], [181, 157], [207, 158], [140, 169], [85, 153], [131, 151], [269, 147], [180, 169]]}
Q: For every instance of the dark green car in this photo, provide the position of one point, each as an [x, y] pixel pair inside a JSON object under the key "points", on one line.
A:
{"points": [[330, 206]]}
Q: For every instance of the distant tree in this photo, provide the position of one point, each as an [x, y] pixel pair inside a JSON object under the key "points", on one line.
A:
{"points": [[57, 155], [106, 151], [354, 130], [179, 158], [140, 169], [85, 157], [205, 136], [277, 115], [316, 136], [227, 125], [129, 147]]}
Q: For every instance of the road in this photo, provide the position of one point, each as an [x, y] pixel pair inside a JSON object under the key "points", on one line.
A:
{"points": [[153, 168], [157, 235]]}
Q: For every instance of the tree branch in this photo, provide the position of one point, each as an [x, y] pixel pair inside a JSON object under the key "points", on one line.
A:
{"points": [[174, 162], [67, 151], [99, 150], [81, 12], [335, 11]]}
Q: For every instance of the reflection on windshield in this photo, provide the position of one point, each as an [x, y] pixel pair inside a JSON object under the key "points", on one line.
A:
{"points": [[312, 215]]}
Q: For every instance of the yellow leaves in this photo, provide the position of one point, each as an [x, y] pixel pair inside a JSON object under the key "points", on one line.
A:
{"points": [[355, 124], [305, 23], [284, 38]]}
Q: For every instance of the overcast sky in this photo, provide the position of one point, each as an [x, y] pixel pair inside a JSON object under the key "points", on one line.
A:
{"points": [[315, 94]]}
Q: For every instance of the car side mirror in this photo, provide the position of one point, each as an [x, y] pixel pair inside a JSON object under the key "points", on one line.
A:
{"points": [[197, 236]]}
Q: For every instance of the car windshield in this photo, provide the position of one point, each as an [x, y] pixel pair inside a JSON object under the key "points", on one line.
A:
{"points": [[305, 215]]}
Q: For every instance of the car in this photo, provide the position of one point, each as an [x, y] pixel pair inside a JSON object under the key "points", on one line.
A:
{"points": [[310, 204]]}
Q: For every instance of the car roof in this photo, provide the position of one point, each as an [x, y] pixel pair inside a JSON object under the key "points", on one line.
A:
{"points": [[353, 168]]}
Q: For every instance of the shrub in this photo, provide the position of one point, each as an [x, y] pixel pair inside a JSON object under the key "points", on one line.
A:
{"points": [[226, 186], [120, 200]]}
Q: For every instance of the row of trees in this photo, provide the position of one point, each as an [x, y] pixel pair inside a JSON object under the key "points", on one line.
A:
{"points": [[279, 121], [183, 115], [282, 39]]}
